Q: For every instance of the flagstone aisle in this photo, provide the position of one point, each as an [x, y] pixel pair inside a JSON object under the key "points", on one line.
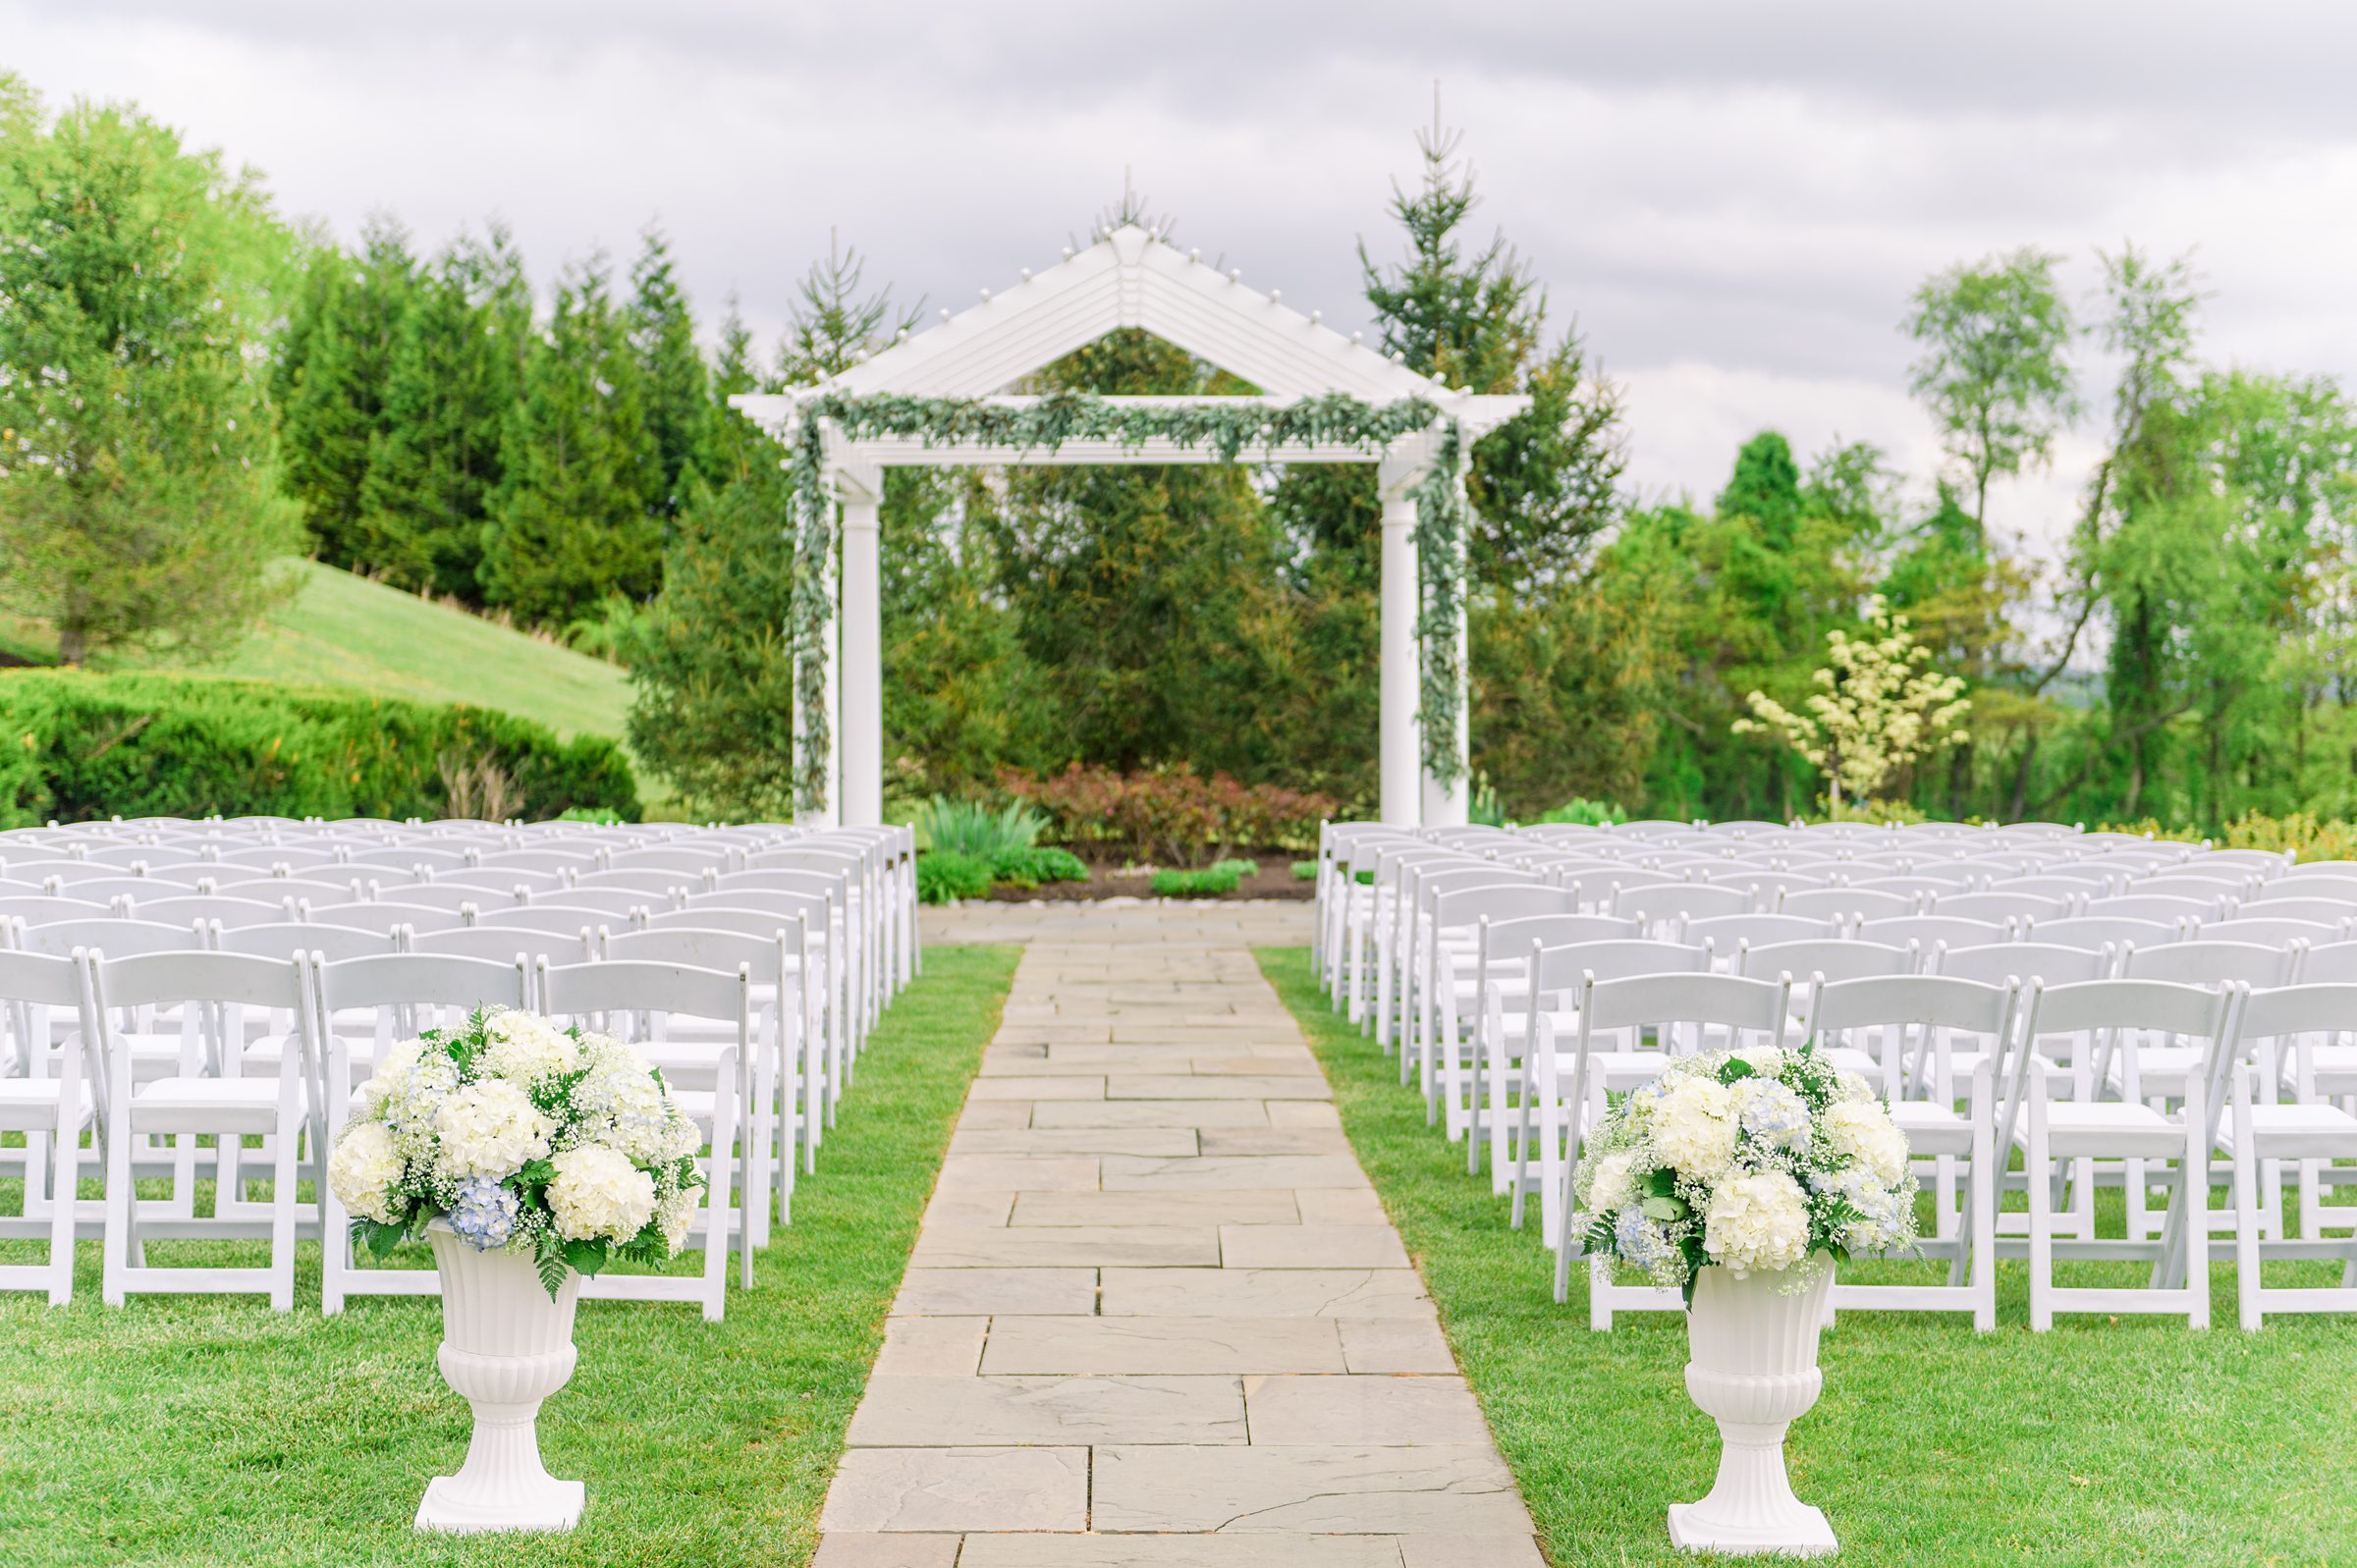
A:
{"points": [[1156, 1315]]}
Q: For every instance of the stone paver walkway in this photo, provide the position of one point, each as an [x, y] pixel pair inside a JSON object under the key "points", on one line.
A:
{"points": [[1156, 1316]]}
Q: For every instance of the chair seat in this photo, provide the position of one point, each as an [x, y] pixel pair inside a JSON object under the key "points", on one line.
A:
{"points": [[2294, 1132], [32, 1105], [699, 1106], [2075, 1129], [206, 1105], [2162, 1072], [1931, 1129], [1615, 1069], [2335, 1069]]}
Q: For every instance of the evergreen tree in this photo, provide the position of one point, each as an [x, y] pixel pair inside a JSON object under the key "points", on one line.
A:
{"points": [[1544, 484], [837, 322], [435, 465], [731, 446], [677, 394], [572, 521], [139, 474], [1765, 488], [711, 667], [334, 414]]}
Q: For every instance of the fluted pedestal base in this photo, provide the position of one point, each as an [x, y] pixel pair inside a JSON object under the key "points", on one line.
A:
{"points": [[505, 1347], [1754, 1369], [447, 1507]]}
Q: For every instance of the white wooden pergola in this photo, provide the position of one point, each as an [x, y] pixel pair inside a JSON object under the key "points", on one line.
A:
{"points": [[1129, 278]]}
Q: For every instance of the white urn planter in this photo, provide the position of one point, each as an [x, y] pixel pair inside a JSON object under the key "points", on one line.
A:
{"points": [[505, 1347], [1753, 1370]]}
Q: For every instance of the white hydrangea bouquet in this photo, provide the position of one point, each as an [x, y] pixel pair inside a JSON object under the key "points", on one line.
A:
{"points": [[1764, 1159], [524, 1137]]}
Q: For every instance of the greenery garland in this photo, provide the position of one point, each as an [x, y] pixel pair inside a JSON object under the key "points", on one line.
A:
{"points": [[1045, 424]]}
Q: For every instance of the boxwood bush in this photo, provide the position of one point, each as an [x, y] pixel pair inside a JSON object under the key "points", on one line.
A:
{"points": [[76, 745]]}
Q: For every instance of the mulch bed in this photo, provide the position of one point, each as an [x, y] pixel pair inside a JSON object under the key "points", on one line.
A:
{"points": [[1109, 879]]}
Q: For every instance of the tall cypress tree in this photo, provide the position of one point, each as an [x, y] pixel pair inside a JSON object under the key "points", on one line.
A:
{"points": [[572, 521], [334, 412], [435, 463], [677, 394]]}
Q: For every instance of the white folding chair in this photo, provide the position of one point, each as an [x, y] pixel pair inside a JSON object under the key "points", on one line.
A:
{"points": [[2267, 1129], [640, 996], [1685, 1012], [2085, 1129], [391, 996], [50, 1103], [207, 1095], [1936, 1010], [783, 1092]]}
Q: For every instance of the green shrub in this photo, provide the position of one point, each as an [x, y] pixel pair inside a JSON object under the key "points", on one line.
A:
{"points": [[76, 745], [599, 816], [946, 874], [1586, 813], [1028, 868], [966, 828], [1305, 871], [1242, 868], [1204, 884], [2307, 836]]}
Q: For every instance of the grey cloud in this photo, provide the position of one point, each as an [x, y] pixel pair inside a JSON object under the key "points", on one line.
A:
{"points": [[1734, 199]]}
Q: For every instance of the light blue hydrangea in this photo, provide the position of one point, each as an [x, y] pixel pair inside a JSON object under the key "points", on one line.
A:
{"points": [[1640, 1241], [484, 1214], [1773, 1114]]}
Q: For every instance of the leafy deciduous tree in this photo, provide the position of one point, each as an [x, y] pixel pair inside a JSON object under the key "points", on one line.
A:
{"points": [[139, 483]]}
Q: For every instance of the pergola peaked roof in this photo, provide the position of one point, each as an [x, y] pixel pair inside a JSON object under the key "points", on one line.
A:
{"points": [[1131, 279]]}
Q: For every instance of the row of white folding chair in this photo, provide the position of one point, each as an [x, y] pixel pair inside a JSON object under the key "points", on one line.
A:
{"points": [[102, 1085], [1841, 960], [1857, 1021], [592, 907]]}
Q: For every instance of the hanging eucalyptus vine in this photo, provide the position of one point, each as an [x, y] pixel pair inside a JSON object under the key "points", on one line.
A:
{"points": [[1047, 423]]}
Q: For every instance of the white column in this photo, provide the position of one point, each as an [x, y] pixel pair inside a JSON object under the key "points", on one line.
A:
{"points": [[859, 741], [1448, 805], [1399, 752]]}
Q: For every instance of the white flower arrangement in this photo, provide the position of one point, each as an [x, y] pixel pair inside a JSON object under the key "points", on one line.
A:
{"points": [[525, 1137], [1763, 1160]]}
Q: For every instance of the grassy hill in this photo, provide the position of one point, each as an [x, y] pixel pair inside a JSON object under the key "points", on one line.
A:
{"points": [[342, 630]]}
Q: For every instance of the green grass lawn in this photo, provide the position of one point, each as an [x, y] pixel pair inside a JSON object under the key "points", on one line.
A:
{"points": [[342, 630], [189, 1431], [2106, 1442]]}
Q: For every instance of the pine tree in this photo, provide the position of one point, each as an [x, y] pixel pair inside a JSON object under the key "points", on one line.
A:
{"points": [[436, 460], [335, 402], [140, 498], [836, 323], [1545, 483], [677, 386], [572, 521], [731, 446]]}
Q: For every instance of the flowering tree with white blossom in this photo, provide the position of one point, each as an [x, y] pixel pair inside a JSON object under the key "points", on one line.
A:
{"points": [[1879, 708]]}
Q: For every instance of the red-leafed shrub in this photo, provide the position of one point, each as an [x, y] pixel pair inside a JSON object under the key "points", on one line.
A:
{"points": [[1171, 816]]}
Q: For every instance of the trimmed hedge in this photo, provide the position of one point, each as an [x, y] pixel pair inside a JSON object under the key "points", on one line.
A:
{"points": [[76, 745]]}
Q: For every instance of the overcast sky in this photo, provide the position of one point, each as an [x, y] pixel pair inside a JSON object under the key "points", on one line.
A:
{"points": [[1734, 199]]}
